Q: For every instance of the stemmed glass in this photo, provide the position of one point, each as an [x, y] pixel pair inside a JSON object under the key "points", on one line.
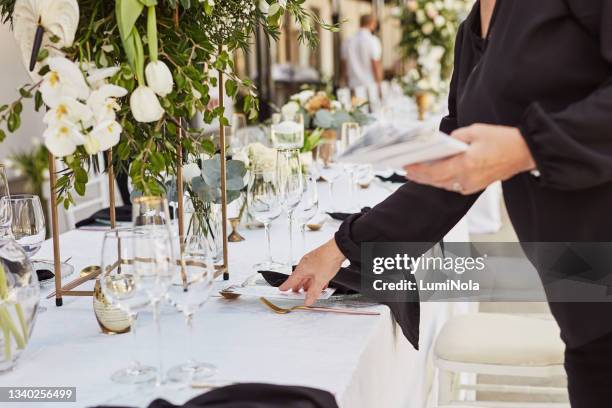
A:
{"points": [[153, 267], [363, 176], [5, 207], [351, 132], [291, 186], [328, 168], [28, 222], [192, 283], [264, 205], [239, 134], [308, 206], [120, 286], [287, 130]]}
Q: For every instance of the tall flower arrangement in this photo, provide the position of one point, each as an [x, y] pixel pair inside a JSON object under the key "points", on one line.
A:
{"points": [[428, 35], [125, 73]]}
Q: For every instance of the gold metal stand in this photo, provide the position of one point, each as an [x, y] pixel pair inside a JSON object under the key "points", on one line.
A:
{"points": [[225, 266], [57, 263]]}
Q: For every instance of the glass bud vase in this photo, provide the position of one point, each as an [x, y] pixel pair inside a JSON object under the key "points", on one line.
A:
{"points": [[205, 221], [19, 297]]}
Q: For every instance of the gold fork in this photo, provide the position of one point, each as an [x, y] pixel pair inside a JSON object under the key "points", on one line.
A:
{"points": [[282, 310]]}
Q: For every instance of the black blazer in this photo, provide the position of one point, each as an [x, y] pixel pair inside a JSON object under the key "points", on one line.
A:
{"points": [[546, 68]]}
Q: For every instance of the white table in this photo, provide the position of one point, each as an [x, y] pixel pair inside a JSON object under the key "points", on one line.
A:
{"points": [[364, 360]]}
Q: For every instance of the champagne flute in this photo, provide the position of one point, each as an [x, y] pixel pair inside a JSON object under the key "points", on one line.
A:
{"points": [[120, 287], [308, 206], [264, 206], [153, 266], [28, 222], [328, 169], [351, 133], [5, 206], [239, 132], [291, 187], [192, 284]]}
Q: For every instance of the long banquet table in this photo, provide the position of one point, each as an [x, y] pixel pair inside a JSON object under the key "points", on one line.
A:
{"points": [[363, 360]]}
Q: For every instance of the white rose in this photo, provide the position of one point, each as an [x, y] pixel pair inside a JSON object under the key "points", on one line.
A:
{"points": [[145, 105], [439, 21], [290, 109], [159, 78]]}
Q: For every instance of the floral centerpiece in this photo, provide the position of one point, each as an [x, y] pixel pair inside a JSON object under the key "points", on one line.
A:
{"points": [[428, 36], [129, 74]]}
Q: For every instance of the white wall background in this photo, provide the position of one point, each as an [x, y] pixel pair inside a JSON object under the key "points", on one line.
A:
{"points": [[12, 76]]}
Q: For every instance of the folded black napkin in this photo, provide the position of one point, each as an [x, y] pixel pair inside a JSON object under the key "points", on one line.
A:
{"points": [[276, 279], [394, 178], [122, 213], [404, 305], [341, 216], [255, 395]]}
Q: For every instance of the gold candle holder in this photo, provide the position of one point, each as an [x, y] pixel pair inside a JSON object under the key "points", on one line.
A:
{"points": [[235, 235]]}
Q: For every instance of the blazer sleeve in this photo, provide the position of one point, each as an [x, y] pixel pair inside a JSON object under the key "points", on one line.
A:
{"points": [[415, 212], [573, 148]]}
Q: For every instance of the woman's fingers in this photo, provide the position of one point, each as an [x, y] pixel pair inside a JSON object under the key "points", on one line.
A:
{"points": [[437, 174], [293, 282], [314, 291]]}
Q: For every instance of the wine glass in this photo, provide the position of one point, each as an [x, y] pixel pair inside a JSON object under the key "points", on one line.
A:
{"points": [[120, 287], [5, 206], [287, 130], [363, 176], [192, 284], [150, 210], [264, 205], [291, 187], [153, 268], [28, 222], [328, 168], [308, 206]]}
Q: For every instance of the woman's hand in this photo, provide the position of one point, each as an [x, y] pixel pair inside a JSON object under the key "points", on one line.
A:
{"points": [[315, 270], [495, 153]]}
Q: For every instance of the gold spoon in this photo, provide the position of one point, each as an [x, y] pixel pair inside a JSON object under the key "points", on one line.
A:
{"points": [[282, 310]]}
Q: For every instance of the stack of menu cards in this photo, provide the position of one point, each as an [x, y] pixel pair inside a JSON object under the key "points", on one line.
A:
{"points": [[395, 146]]}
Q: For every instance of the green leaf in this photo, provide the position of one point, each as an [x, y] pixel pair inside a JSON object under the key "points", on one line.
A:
{"points": [[79, 188], [231, 87], [157, 161], [18, 108], [139, 56], [149, 3], [13, 123], [38, 100], [80, 175], [127, 12], [42, 55], [208, 8], [25, 93], [3, 108], [2, 135]]}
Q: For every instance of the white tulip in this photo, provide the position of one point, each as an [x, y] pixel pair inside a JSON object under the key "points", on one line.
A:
{"points": [[62, 138], [64, 79], [106, 135], [145, 105], [159, 78], [191, 170], [68, 109]]}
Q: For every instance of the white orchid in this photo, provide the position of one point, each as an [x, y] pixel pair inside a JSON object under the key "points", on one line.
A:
{"points": [[64, 79], [103, 102], [145, 106], [97, 77], [70, 110], [106, 135], [62, 138], [159, 78]]}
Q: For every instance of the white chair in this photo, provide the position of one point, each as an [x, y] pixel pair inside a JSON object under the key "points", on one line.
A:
{"points": [[499, 345]]}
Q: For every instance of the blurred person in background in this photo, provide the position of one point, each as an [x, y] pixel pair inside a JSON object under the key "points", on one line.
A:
{"points": [[361, 56]]}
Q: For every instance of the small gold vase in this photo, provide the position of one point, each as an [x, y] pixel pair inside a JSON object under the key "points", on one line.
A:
{"points": [[111, 319], [423, 102]]}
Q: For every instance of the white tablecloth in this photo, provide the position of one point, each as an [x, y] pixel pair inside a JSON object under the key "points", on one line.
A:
{"points": [[364, 360]]}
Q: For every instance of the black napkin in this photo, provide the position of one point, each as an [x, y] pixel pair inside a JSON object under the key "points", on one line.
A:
{"points": [[404, 306], [255, 395], [341, 216], [276, 279], [394, 178], [122, 213]]}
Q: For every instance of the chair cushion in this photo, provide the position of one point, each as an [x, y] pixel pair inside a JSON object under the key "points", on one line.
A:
{"points": [[502, 339]]}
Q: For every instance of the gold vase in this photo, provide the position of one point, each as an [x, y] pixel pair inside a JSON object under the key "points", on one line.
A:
{"points": [[111, 319]]}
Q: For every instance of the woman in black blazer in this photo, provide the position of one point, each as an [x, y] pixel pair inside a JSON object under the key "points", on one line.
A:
{"points": [[532, 95]]}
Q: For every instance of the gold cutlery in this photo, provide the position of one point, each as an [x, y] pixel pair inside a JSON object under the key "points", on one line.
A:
{"points": [[282, 310]]}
